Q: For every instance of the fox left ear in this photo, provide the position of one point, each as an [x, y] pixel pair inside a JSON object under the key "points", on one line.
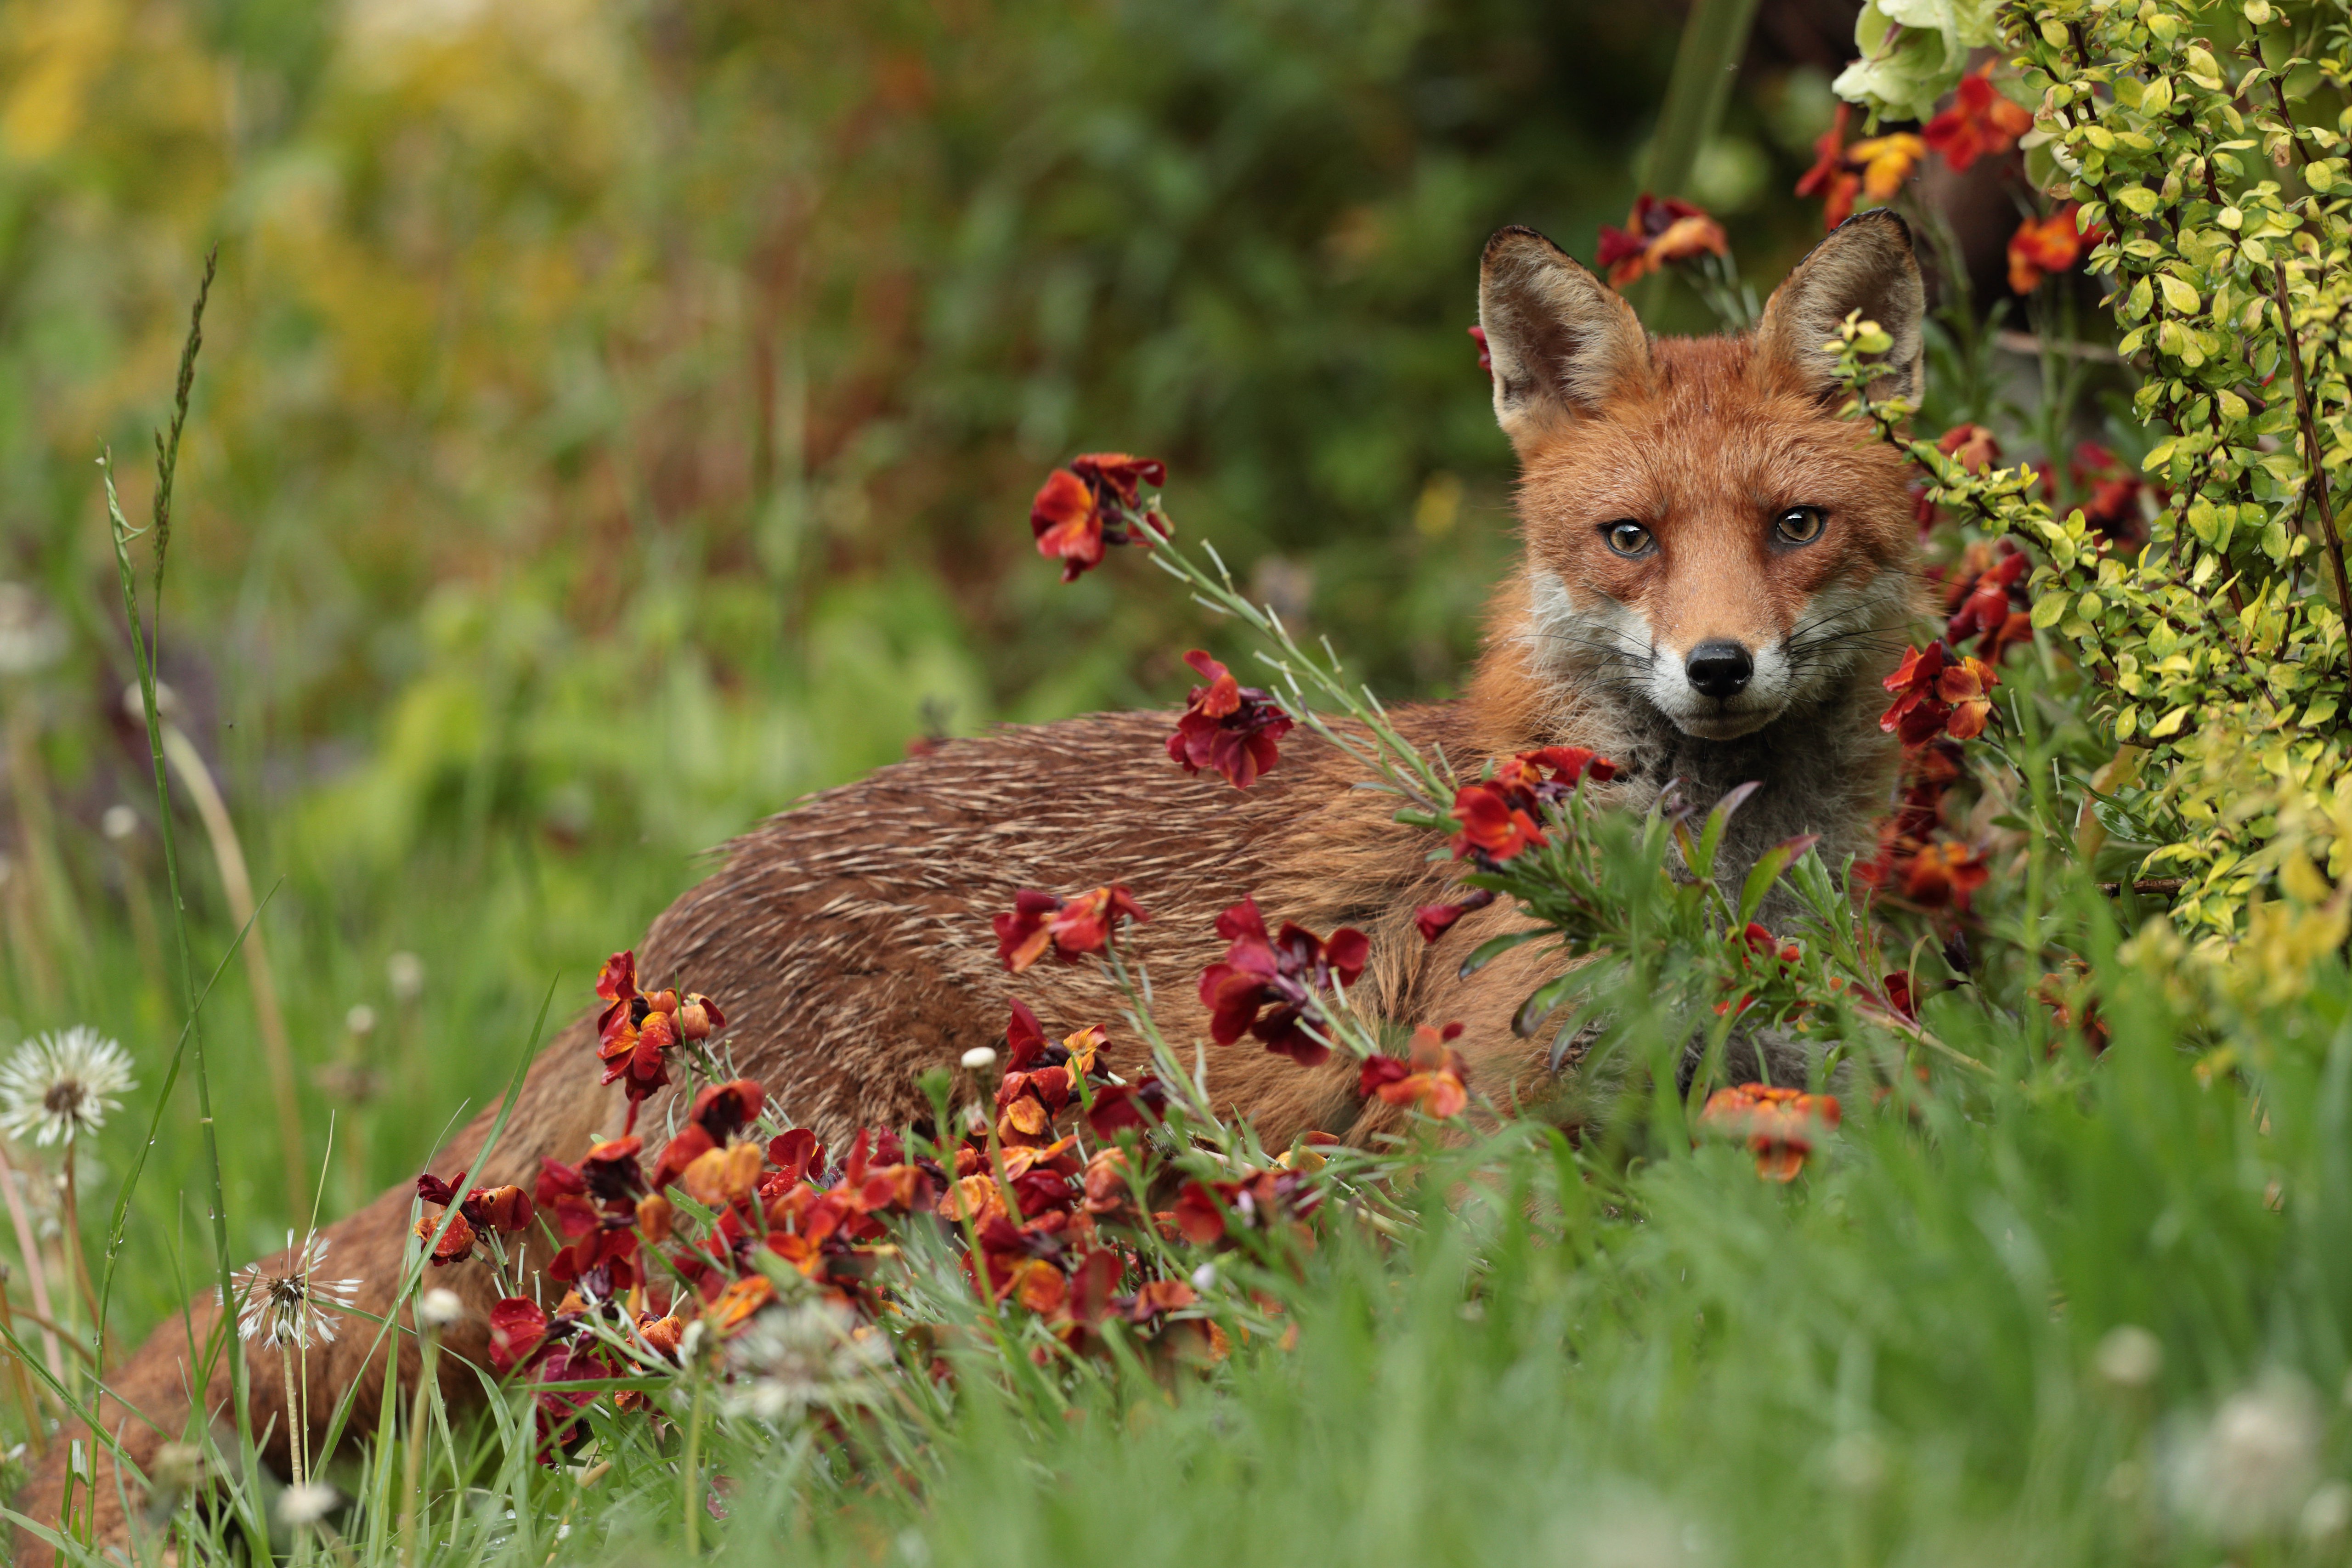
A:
{"points": [[1866, 264]]}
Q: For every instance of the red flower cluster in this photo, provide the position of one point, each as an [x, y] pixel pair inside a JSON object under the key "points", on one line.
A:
{"points": [[635, 1033], [1209, 1213], [1979, 121], [1662, 229], [1227, 727], [500, 1211], [1272, 987], [1434, 1078], [1986, 600], [1496, 818], [1040, 923], [1830, 178], [1935, 694], [1781, 1127], [2048, 245], [1094, 502]]}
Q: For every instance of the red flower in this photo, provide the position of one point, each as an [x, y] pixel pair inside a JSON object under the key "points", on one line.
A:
{"points": [[1899, 1001], [1496, 817], [1485, 355], [1040, 1080], [1120, 1105], [1092, 503], [1935, 694], [1973, 446], [1272, 988], [1433, 920], [1435, 1078], [1040, 922], [456, 1242], [1991, 608], [1662, 229], [518, 1328], [1227, 727], [1944, 873], [1978, 122], [2113, 507], [1780, 1126], [1259, 1201], [1966, 686], [2043, 246], [635, 1033], [1829, 178]]}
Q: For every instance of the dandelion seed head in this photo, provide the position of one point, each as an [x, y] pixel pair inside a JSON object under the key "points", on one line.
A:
{"points": [[2251, 1469], [307, 1504], [791, 1359], [30, 636], [440, 1308], [62, 1085], [2129, 1357], [119, 823], [291, 1304], [980, 1059]]}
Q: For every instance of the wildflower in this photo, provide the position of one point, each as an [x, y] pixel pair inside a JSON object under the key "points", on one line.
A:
{"points": [[307, 1503], [439, 1308], [636, 1032], [980, 1059], [1488, 823], [2248, 1471], [1966, 686], [1661, 229], [2043, 246], [1980, 122], [288, 1304], [1040, 922], [1935, 694], [1780, 1126], [1485, 355], [1433, 920], [1899, 1000], [1258, 1201], [2129, 1356], [1886, 162], [1988, 607], [2113, 507], [31, 636], [1434, 1078], [1088, 505], [1830, 178], [1495, 817], [1973, 446], [506, 1210], [796, 1359], [1271, 988], [1944, 873], [518, 1328], [62, 1085], [1227, 727], [2073, 1005]]}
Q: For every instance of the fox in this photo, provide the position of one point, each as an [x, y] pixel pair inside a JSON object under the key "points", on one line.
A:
{"points": [[1712, 558]]}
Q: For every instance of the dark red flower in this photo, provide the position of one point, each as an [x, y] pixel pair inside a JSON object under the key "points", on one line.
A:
{"points": [[796, 1153], [1122, 1105], [1973, 446], [1040, 922], [518, 1328], [1226, 727], [1899, 1002], [1661, 230], [1261, 1200], [1273, 988], [1489, 825], [1093, 504], [562, 1192], [1485, 356], [1979, 121], [2113, 507], [1495, 819], [1944, 873], [1992, 607], [1433, 920], [1935, 694]]}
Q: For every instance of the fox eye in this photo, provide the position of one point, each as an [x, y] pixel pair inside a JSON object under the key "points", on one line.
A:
{"points": [[1800, 524], [1628, 537]]}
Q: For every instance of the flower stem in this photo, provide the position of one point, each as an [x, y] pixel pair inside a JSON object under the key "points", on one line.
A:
{"points": [[36, 1274], [293, 1409], [73, 1254], [34, 1432], [690, 1481], [412, 1497]]}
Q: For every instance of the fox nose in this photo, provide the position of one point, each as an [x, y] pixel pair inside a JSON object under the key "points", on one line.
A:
{"points": [[1719, 669]]}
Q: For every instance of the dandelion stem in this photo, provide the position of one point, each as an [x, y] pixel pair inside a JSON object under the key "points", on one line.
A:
{"points": [[29, 1246], [34, 1432], [74, 1258]]}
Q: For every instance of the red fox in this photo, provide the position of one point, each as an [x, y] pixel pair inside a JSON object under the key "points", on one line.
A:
{"points": [[1715, 564]]}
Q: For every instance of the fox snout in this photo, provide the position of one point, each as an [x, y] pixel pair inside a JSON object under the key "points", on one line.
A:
{"points": [[1721, 688], [1719, 669]]}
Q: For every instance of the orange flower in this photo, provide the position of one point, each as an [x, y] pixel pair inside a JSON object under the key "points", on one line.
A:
{"points": [[1040, 922], [1092, 503], [1936, 694], [1662, 229], [1967, 688], [1944, 873], [1980, 122], [1886, 162], [1781, 1127], [1435, 1078], [1829, 178], [2043, 246], [1973, 446]]}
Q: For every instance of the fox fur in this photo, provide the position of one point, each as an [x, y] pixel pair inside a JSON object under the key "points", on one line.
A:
{"points": [[849, 937]]}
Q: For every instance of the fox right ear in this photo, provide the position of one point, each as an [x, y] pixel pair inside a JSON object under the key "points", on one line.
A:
{"points": [[1561, 342], [1866, 265]]}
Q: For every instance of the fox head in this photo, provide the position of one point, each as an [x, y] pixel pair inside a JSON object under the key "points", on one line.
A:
{"points": [[1705, 537]]}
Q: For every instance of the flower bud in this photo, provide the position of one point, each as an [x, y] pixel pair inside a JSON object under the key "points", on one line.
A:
{"points": [[980, 1059]]}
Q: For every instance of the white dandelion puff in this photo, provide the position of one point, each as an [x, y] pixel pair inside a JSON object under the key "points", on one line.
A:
{"points": [[440, 1308], [62, 1085], [792, 1358], [290, 1304], [307, 1502]]}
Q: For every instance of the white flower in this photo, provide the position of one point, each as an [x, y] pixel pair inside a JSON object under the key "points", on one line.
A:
{"points": [[404, 972], [119, 823], [2252, 1468], [980, 1059], [30, 636], [288, 1304], [792, 1358], [440, 1308], [2129, 1357], [64, 1084], [307, 1504]]}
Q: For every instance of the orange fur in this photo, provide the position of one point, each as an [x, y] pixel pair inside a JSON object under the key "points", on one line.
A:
{"points": [[849, 936]]}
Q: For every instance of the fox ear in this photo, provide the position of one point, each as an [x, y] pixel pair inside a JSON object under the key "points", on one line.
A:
{"points": [[1561, 342], [1865, 265]]}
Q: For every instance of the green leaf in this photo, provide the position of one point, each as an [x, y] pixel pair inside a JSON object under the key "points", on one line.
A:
{"points": [[1768, 870], [1495, 947], [2178, 295], [1542, 1003], [1701, 863]]}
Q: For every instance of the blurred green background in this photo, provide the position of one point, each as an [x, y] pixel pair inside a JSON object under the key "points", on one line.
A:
{"points": [[617, 419]]}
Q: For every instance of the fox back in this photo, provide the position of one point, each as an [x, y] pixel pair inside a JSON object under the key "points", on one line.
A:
{"points": [[1714, 561]]}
